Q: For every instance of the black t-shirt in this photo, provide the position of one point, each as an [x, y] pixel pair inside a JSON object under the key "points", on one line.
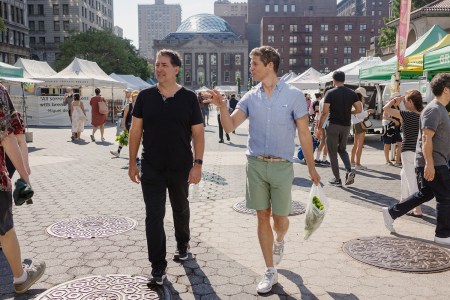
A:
{"points": [[341, 100], [167, 127], [233, 103]]}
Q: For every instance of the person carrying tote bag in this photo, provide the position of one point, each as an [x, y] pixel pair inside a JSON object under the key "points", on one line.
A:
{"points": [[98, 118]]}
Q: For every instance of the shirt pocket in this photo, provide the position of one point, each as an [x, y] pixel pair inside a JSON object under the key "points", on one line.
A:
{"points": [[282, 115]]}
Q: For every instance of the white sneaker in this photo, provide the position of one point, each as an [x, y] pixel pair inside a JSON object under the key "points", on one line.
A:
{"points": [[388, 221], [269, 279], [442, 241], [278, 251], [115, 153]]}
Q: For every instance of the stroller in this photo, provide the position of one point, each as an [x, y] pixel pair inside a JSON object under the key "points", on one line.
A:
{"points": [[300, 154]]}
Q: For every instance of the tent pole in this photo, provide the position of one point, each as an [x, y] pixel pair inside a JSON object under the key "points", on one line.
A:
{"points": [[24, 109]]}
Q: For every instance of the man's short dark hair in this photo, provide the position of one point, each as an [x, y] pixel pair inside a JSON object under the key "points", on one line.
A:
{"points": [[339, 76], [175, 58], [439, 82], [97, 91], [267, 55]]}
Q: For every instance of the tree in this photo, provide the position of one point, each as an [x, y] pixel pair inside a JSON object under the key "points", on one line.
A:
{"points": [[238, 83], [112, 53], [2, 25]]}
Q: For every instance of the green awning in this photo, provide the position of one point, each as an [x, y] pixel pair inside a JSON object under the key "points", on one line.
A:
{"points": [[385, 70], [438, 60], [10, 71]]}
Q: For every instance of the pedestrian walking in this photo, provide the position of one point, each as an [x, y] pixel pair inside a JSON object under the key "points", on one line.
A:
{"points": [[432, 156], [68, 98], [410, 120], [359, 132], [168, 117], [227, 135], [275, 111], [23, 277], [78, 116], [98, 119], [323, 138], [392, 135], [127, 118], [339, 102]]}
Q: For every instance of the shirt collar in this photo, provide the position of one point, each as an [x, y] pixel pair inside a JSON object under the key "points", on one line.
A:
{"points": [[278, 87]]}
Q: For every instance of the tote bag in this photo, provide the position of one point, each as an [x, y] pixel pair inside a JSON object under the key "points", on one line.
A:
{"points": [[103, 107]]}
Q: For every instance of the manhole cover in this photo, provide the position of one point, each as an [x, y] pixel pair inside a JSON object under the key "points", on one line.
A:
{"points": [[399, 254], [296, 209], [91, 227], [109, 287]]}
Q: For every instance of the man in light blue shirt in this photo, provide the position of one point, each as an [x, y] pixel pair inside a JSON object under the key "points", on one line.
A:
{"points": [[275, 110]]}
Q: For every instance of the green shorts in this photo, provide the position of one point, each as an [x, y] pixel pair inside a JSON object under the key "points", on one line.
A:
{"points": [[269, 185]]}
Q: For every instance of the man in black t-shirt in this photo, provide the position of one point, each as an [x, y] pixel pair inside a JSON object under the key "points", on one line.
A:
{"points": [[168, 117], [339, 102]]}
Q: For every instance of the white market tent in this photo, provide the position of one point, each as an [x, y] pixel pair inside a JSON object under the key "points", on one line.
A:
{"points": [[84, 73], [352, 70], [310, 79], [34, 68], [227, 89], [132, 81], [288, 76], [202, 89]]}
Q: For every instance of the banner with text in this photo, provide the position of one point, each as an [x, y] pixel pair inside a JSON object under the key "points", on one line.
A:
{"points": [[403, 28]]}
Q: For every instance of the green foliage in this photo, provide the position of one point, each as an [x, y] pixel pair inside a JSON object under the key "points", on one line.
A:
{"points": [[122, 138], [250, 83], [238, 83], [2, 25], [112, 53], [213, 84]]}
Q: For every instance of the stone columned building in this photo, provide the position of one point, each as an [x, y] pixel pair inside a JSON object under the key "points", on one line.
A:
{"points": [[212, 53]]}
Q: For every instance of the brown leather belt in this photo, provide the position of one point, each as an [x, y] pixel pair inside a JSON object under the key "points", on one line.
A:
{"points": [[270, 158]]}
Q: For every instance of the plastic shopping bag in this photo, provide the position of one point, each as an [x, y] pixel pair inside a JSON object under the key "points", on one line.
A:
{"points": [[315, 210]]}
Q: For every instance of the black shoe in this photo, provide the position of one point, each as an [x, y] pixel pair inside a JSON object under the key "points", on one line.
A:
{"points": [[158, 276], [92, 138], [349, 178], [221, 141], [182, 254], [318, 162], [335, 182], [228, 137], [325, 163]]}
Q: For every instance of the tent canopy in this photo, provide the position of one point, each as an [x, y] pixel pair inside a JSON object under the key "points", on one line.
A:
{"points": [[415, 62], [7, 70], [132, 81], [352, 70], [385, 70], [288, 76], [82, 72], [202, 89], [307, 80], [438, 60], [34, 68]]}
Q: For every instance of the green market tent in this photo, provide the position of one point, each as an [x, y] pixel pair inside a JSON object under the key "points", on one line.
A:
{"points": [[385, 70], [10, 71], [437, 61]]}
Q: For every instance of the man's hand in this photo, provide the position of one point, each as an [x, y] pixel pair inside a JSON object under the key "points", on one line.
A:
{"points": [[318, 133], [133, 173], [215, 98], [428, 173], [315, 177], [195, 174]]}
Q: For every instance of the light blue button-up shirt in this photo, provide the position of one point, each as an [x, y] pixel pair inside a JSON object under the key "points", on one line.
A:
{"points": [[272, 120]]}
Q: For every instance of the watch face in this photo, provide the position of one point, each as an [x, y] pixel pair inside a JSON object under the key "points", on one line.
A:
{"points": [[198, 161]]}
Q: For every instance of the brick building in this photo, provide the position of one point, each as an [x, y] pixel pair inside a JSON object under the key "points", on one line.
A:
{"points": [[324, 43], [14, 41]]}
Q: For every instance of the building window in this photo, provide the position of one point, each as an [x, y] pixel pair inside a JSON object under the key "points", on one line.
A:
{"points": [[336, 27], [200, 60], [57, 39], [347, 50], [308, 39], [324, 27], [336, 38], [347, 61], [56, 26], [324, 38], [40, 9], [292, 61], [213, 59], [226, 76], [282, 39], [335, 61], [336, 50], [237, 59], [275, 8], [282, 27], [292, 28], [270, 39], [293, 50], [362, 27], [31, 25], [323, 61], [285, 8], [308, 62], [292, 39], [41, 25], [55, 9], [187, 76], [373, 13], [30, 10], [362, 50], [267, 8], [66, 25], [323, 50], [270, 27], [308, 50], [213, 77], [42, 40], [65, 9], [293, 8], [348, 27], [308, 28], [226, 60], [32, 40], [187, 59], [348, 38], [362, 38], [200, 77], [237, 75]]}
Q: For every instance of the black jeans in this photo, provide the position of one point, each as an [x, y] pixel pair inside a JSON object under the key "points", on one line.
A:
{"points": [[154, 185], [439, 188], [221, 129]]}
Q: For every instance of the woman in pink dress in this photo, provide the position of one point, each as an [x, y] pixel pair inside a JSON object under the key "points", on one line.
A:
{"points": [[98, 119]]}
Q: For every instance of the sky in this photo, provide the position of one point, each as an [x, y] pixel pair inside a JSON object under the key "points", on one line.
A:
{"points": [[126, 13]]}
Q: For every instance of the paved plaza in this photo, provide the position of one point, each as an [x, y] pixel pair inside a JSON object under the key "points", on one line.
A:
{"points": [[77, 180]]}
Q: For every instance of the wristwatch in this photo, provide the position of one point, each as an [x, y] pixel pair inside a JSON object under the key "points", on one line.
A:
{"points": [[198, 161]]}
